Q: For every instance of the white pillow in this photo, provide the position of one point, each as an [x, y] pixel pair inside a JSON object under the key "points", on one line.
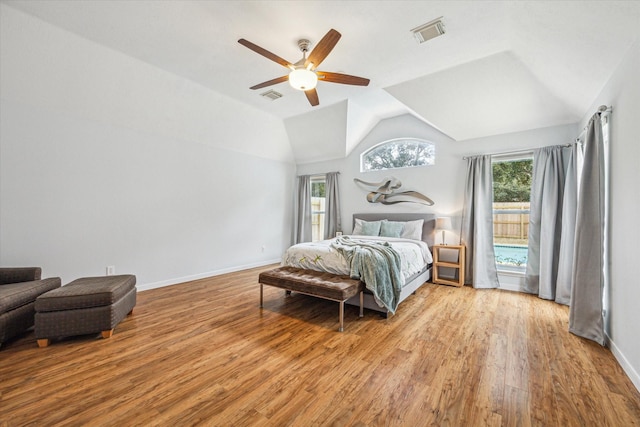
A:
{"points": [[413, 230]]}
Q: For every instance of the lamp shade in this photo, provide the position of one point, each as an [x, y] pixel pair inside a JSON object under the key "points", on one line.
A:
{"points": [[303, 79], [443, 223]]}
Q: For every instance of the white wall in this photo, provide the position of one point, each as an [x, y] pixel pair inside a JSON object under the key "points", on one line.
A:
{"points": [[106, 160], [622, 92], [442, 182], [426, 180]]}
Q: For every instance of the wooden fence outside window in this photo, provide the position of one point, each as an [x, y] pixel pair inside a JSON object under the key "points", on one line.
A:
{"points": [[511, 222], [317, 218]]}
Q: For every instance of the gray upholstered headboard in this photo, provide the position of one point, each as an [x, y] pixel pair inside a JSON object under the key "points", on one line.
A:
{"points": [[428, 228]]}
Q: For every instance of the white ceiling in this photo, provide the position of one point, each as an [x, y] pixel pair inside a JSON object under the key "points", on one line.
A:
{"points": [[501, 66]]}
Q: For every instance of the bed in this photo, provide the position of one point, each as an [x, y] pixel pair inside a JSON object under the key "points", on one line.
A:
{"points": [[319, 257]]}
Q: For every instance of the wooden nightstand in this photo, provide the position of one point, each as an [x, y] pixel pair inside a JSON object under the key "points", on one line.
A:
{"points": [[437, 264]]}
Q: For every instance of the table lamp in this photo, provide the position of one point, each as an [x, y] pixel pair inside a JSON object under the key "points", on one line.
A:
{"points": [[443, 223]]}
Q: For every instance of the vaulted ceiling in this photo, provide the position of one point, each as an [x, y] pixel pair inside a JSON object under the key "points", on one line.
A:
{"points": [[500, 67]]}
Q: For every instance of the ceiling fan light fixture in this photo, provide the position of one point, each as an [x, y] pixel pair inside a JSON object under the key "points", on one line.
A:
{"points": [[429, 30], [302, 75], [303, 79]]}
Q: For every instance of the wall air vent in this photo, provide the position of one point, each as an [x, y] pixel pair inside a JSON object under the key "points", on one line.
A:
{"points": [[429, 30], [271, 94]]}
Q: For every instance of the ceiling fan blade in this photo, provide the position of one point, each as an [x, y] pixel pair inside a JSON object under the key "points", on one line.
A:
{"points": [[312, 96], [270, 82], [323, 48], [264, 52], [344, 79]]}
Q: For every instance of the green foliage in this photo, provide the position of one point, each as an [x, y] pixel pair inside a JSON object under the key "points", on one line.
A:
{"points": [[317, 189], [512, 181], [399, 154]]}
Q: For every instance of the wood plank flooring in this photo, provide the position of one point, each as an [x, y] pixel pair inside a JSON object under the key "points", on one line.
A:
{"points": [[204, 353]]}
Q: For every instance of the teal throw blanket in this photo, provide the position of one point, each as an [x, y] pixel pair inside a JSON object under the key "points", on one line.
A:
{"points": [[377, 264]]}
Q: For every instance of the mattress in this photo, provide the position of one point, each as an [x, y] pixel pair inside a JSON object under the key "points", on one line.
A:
{"points": [[322, 256]]}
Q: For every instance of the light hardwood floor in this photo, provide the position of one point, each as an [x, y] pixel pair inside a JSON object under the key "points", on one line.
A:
{"points": [[203, 353]]}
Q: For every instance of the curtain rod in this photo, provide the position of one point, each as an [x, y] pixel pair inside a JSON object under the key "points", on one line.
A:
{"points": [[319, 175], [603, 109], [507, 153]]}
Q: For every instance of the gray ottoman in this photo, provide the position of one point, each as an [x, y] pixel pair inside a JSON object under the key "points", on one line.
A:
{"points": [[84, 306]]}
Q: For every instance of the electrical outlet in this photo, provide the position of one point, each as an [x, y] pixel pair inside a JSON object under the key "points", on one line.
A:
{"points": [[111, 270]]}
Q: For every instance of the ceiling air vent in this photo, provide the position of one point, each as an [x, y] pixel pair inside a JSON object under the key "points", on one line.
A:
{"points": [[271, 94], [429, 30]]}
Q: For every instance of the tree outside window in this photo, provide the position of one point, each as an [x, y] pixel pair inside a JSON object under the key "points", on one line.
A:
{"points": [[512, 181], [398, 153]]}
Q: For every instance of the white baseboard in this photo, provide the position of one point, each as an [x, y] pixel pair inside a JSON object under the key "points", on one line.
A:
{"points": [[169, 282], [624, 363]]}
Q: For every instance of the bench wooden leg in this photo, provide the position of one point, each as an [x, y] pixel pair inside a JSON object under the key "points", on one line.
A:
{"points": [[361, 304], [260, 295], [43, 342], [107, 334], [341, 316]]}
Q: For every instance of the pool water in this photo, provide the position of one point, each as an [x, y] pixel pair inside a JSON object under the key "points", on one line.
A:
{"points": [[511, 255]]}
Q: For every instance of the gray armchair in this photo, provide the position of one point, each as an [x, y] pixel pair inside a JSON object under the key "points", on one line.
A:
{"points": [[19, 288]]}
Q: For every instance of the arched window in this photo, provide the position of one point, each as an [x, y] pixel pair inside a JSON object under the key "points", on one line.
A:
{"points": [[398, 153]]}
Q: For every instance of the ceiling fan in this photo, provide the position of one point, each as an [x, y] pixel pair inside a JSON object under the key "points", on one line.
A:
{"points": [[304, 74]]}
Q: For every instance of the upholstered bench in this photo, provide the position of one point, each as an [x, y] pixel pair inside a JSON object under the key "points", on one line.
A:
{"points": [[84, 306], [322, 285]]}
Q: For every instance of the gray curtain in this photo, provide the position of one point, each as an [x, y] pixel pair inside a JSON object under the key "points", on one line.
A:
{"points": [[303, 214], [585, 312], [477, 224], [567, 238], [332, 221], [547, 222]]}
